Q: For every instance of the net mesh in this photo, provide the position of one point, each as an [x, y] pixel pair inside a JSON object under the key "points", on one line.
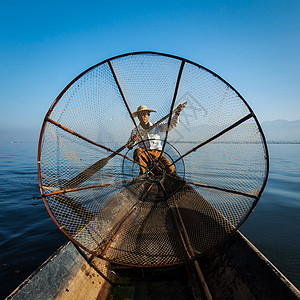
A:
{"points": [[101, 197]]}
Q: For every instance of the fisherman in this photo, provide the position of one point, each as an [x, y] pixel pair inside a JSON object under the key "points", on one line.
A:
{"points": [[152, 140]]}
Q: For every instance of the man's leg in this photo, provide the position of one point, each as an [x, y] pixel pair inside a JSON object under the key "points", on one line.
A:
{"points": [[140, 156], [167, 164]]}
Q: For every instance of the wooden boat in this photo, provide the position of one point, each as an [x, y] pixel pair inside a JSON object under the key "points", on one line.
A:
{"points": [[233, 270], [163, 234]]}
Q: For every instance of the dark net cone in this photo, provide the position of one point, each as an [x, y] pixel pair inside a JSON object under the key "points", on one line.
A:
{"points": [[95, 191]]}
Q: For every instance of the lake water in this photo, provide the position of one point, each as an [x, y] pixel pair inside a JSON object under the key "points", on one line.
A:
{"points": [[28, 236]]}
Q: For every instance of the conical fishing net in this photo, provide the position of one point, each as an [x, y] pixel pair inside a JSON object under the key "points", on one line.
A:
{"points": [[131, 209]]}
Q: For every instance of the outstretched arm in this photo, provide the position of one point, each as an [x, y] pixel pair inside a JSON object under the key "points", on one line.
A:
{"points": [[175, 119]]}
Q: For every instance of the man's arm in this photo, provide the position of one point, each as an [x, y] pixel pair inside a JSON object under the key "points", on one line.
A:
{"points": [[133, 138], [174, 120]]}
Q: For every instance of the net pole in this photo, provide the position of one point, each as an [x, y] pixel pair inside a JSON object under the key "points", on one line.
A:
{"points": [[172, 105], [192, 253], [250, 115], [128, 108]]}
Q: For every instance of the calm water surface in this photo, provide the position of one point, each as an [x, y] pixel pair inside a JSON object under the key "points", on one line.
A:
{"points": [[28, 236], [274, 226]]}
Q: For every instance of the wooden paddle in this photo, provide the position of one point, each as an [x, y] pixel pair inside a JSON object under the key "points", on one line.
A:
{"points": [[94, 168]]}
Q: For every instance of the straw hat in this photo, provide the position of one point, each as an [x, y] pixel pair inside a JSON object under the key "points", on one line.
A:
{"points": [[142, 108]]}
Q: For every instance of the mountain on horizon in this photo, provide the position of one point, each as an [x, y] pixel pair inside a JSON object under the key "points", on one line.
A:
{"points": [[281, 130], [275, 131], [19, 135]]}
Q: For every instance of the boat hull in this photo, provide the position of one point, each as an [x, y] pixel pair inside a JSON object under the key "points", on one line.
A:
{"points": [[234, 270]]}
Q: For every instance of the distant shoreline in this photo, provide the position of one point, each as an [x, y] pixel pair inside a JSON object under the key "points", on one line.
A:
{"points": [[282, 142], [268, 142]]}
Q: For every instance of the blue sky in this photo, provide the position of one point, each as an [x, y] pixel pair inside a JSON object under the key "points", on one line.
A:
{"points": [[254, 45]]}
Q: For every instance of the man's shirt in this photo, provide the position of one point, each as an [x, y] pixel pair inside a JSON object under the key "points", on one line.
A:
{"points": [[152, 139]]}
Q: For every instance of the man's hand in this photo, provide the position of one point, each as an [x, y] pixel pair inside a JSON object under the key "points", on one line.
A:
{"points": [[180, 107], [135, 138]]}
